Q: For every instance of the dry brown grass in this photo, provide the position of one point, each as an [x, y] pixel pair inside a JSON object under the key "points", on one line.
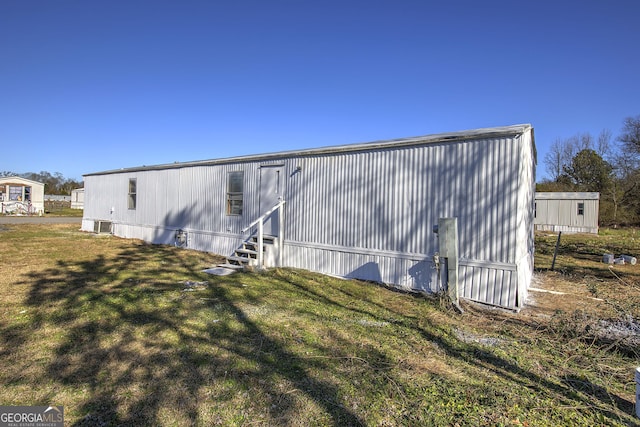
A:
{"points": [[102, 326]]}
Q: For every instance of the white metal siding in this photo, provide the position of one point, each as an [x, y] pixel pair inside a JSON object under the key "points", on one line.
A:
{"points": [[525, 216], [559, 212], [364, 214], [77, 198], [389, 200]]}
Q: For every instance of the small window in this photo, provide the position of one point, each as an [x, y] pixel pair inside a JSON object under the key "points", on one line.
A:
{"points": [[580, 208], [234, 193], [535, 210], [15, 193], [132, 193]]}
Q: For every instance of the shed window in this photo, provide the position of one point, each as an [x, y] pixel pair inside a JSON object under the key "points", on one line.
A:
{"points": [[580, 208], [133, 193], [234, 193]]}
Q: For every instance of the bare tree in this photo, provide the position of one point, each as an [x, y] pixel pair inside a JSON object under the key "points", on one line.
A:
{"points": [[603, 146], [630, 137], [554, 160], [585, 141], [562, 152], [610, 166], [54, 183], [628, 165]]}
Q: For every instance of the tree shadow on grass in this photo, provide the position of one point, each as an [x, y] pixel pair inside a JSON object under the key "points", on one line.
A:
{"points": [[573, 390], [582, 385], [141, 351]]}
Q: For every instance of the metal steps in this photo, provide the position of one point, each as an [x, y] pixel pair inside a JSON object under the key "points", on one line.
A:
{"points": [[250, 254], [247, 254]]}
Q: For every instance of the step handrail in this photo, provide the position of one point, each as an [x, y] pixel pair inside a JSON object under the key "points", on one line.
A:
{"points": [[264, 216], [260, 223]]}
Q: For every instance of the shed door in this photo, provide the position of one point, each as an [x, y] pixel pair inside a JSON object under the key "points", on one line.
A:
{"points": [[270, 194]]}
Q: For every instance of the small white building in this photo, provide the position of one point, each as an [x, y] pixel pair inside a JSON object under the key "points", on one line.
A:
{"points": [[77, 198], [364, 211], [568, 212], [21, 196]]}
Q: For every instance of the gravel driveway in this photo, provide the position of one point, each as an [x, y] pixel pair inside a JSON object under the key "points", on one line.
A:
{"points": [[40, 220]]}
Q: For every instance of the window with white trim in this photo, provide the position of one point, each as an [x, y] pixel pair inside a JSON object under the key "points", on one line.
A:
{"points": [[15, 193], [235, 188], [133, 193]]}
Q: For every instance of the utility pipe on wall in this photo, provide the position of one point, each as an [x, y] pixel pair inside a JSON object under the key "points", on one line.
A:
{"points": [[447, 231]]}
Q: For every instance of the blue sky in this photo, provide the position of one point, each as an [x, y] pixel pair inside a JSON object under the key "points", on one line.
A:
{"points": [[87, 86]]}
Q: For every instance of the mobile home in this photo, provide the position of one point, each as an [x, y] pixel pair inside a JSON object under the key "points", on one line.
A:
{"points": [[568, 212], [21, 196], [364, 211], [77, 198]]}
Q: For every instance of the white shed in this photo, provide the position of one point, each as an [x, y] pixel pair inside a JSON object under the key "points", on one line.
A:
{"points": [[362, 211], [21, 196], [568, 212], [77, 198]]}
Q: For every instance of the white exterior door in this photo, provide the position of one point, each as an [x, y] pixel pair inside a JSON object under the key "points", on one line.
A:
{"points": [[271, 177]]}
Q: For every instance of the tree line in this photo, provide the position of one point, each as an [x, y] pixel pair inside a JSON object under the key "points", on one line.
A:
{"points": [[610, 166], [54, 183]]}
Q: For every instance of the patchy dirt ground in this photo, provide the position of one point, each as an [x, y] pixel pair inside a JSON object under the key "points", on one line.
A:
{"points": [[604, 309], [553, 292], [580, 280]]}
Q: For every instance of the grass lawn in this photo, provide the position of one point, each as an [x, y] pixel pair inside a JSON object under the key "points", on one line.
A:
{"points": [[65, 212], [124, 333]]}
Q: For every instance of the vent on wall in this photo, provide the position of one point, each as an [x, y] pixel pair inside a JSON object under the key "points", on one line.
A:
{"points": [[102, 226]]}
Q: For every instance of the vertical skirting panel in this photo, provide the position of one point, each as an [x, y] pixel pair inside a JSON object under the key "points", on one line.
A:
{"points": [[489, 285], [417, 274]]}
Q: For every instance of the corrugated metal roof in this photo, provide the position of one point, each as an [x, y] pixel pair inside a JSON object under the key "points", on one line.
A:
{"points": [[559, 195], [427, 139]]}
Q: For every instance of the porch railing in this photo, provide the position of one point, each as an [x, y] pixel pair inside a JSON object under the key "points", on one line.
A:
{"points": [[260, 225]]}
